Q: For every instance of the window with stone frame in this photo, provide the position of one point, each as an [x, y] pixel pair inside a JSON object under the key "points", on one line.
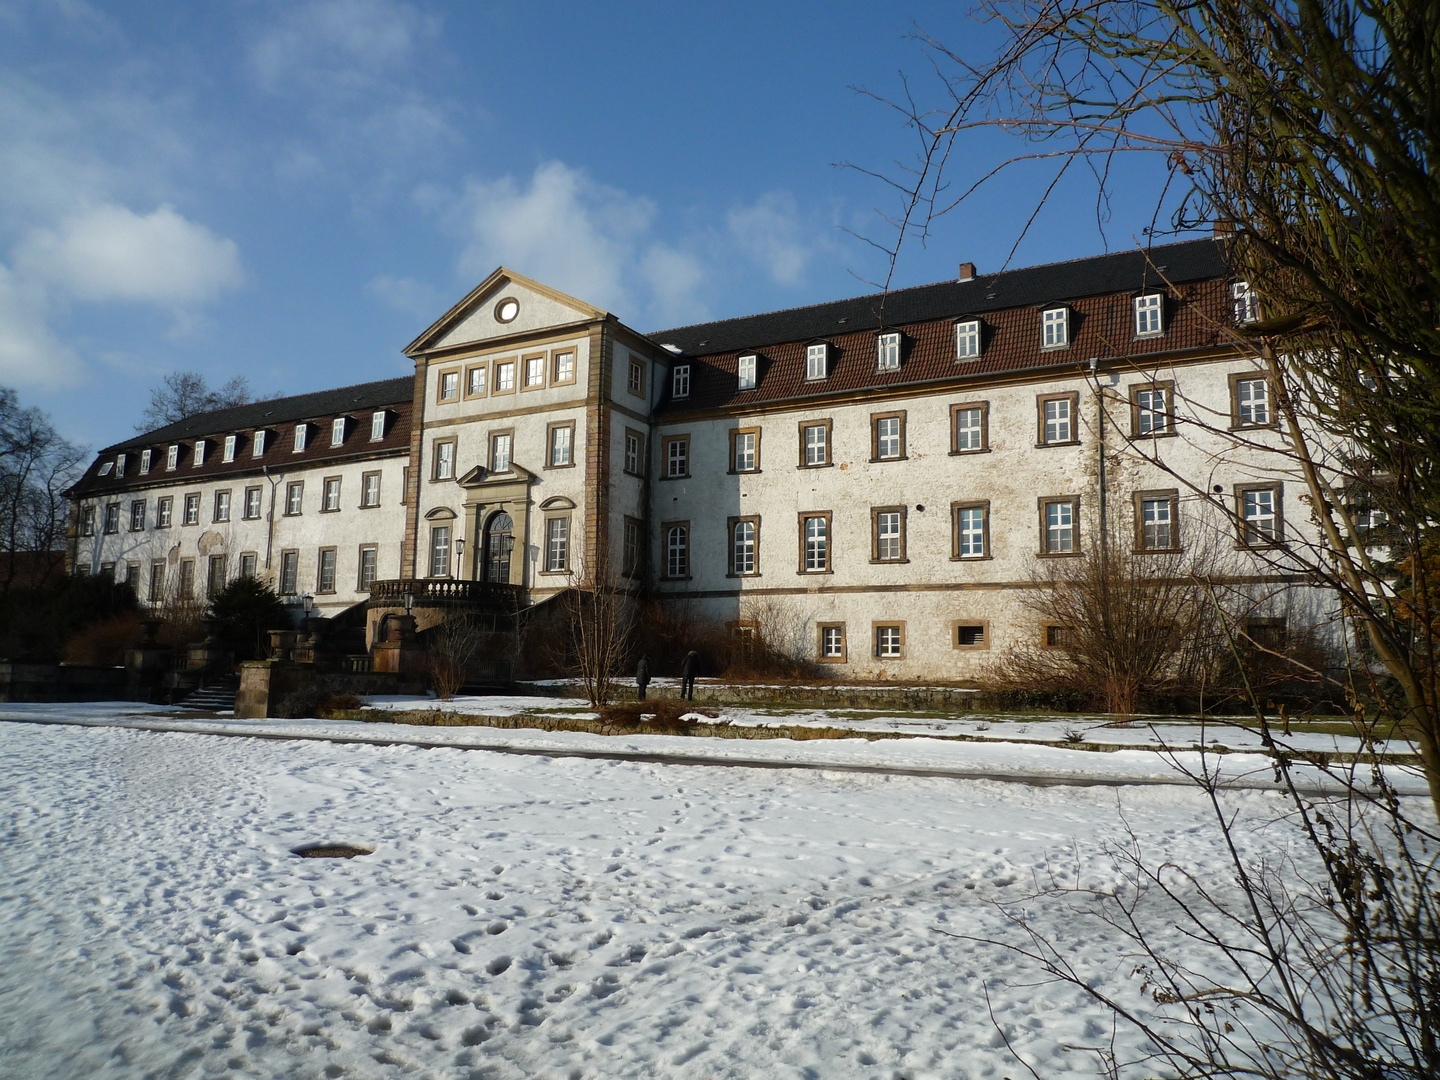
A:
{"points": [[815, 450], [744, 546], [677, 456], [815, 542], [1151, 410], [1060, 525], [1258, 507], [745, 450], [676, 537], [887, 528], [887, 436], [831, 644], [970, 427], [254, 498], [557, 544], [970, 522], [889, 640], [1157, 520], [1056, 415]]}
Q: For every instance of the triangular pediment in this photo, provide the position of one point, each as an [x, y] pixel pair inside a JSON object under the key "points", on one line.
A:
{"points": [[480, 477], [502, 306]]}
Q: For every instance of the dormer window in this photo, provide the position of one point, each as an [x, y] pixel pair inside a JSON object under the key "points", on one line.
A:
{"points": [[257, 445], [377, 424], [887, 352], [967, 340], [1148, 315], [680, 381], [119, 466], [1055, 328], [337, 431], [747, 366], [1243, 299], [231, 441], [145, 461], [172, 457], [301, 432], [198, 458], [817, 361]]}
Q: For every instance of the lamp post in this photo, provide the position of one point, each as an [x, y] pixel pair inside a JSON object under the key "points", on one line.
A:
{"points": [[460, 556]]}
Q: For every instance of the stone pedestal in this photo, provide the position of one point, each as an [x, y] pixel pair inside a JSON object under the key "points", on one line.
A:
{"points": [[264, 682]]}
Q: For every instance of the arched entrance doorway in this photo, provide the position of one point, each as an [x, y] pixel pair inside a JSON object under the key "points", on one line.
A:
{"points": [[499, 542]]}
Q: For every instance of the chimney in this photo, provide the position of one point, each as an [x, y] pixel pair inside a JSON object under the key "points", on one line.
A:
{"points": [[967, 271]]}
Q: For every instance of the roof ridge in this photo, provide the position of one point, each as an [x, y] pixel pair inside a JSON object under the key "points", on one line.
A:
{"points": [[658, 334], [201, 418]]}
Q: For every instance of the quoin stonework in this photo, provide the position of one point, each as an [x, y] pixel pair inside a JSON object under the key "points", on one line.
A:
{"points": [[894, 470]]}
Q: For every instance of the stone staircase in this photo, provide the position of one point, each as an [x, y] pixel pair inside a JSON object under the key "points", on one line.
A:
{"points": [[217, 696]]}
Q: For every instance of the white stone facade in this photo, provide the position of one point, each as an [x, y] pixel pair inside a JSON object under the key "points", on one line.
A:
{"points": [[888, 480]]}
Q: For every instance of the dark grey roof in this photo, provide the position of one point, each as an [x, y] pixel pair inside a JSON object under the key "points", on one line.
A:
{"points": [[264, 414], [1190, 260]]}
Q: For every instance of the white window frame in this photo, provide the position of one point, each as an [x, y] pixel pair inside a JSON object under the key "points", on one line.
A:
{"points": [[1149, 315], [119, 466], [970, 531], [746, 451], [137, 515], [746, 368], [889, 536], [967, 340], [816, 531], [1247, 414], [1157, 513], [439, 551], [302, 432], [1242, 300], [677, 551], [222, 506], [257, 445], [337, 431], [231, 443], [191, 509], [889, 641], [197, 459], [450, 385], [832, 642], [677, 458], [370, 489], [145, 461], [445, 459], [1259, 516], [504, 376], [969, 437], [172, 457], [887, 352], [680, 381], [557, 544], [817, 362], [817, 448], [1059, 421], [744, 544], [1055, 328], [294, 498], [252, 512], [330, 494], [1060, 536], [377, 425], [499, 462], [1152, 410], [887, 445], [562, 442]]}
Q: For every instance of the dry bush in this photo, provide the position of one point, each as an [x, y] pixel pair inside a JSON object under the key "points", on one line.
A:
{"points": [[1128, 626], [772, 639], [183, 622], [662, 714], [331, 704], [450, 648], [103, 644]]}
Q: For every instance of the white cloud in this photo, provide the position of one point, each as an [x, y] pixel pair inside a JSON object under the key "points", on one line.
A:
{"points": [[771, 234], [561, 228], [29, 353], [408, 295], [675, 278], [112, 253], [339, 46]]}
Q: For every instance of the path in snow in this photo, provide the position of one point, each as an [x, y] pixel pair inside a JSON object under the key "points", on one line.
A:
{"points": [[529, 917]]}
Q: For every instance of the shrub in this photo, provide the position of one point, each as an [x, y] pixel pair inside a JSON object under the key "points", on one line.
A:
{"points": [[103, 643]]}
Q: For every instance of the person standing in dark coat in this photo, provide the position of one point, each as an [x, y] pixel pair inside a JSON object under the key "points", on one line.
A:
{"points": [[642, 678], [687, 675]]}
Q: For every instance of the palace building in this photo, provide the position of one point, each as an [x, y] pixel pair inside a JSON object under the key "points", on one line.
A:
{"points": [[889, 472]]}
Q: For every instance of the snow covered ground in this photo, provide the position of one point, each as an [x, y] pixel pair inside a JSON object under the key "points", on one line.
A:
{"points": [[536, 916]]}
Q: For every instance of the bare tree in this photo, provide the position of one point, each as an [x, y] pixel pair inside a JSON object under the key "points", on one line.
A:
{"points": [[450, 648], [186, 393], [37, 465], [1309, 128], [603, 611], [1119, 625]]}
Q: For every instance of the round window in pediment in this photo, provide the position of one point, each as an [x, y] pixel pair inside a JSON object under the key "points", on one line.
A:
{"points": [[507, 309]]}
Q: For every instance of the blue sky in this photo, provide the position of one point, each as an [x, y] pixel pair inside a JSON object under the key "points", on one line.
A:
{"points": [[292, 191]]}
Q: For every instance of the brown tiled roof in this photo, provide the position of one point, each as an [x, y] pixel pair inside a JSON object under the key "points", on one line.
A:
{"points": [[1197, 311], [278, 417]]}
